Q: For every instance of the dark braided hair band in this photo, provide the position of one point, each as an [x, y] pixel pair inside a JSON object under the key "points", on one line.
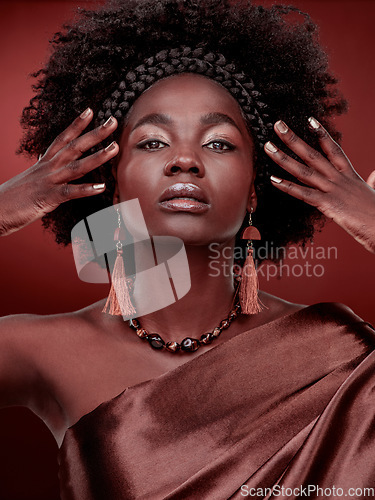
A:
{"points": [[186, 60]]}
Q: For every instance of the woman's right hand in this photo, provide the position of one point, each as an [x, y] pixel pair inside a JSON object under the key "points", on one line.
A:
{"points": [[44, 186]]}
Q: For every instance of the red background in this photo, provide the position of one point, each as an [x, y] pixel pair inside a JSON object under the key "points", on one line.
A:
{"points": [[38, 277]]}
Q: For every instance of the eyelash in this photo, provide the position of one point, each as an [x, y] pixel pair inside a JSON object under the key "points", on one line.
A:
{"points": [[229, 146], [143, 145]]}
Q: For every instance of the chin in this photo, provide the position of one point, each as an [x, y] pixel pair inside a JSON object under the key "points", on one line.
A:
{"points": [[188, 237], [192, 229], [195, 237]]}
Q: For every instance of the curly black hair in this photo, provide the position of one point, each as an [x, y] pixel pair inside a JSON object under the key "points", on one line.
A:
{"points": [[276, 47]]}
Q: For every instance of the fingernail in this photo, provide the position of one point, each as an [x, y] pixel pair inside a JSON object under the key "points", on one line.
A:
{"points": [[98, 186], [85, 113], [275, 179], [314, 123], [271, 147], [111, 147], [281, 127], [109, 122]]}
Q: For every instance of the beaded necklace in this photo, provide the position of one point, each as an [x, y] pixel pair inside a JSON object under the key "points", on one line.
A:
{"points": [[188, 344]]}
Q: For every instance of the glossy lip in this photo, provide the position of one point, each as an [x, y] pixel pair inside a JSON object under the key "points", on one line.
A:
{"points": [[184, 205], [184, 197], [184, 190]]}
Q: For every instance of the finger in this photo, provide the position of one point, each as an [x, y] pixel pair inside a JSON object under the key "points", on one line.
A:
{"points": [[70, 133], [371, 180], [309, 155], [302, 172], [68, 192], [334, 153], [75, 148], [79, 168], [306, 194]]}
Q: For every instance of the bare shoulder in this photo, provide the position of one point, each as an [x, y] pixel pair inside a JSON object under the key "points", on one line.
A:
{"points": [[40, 340], [275, 307], [17, 373], [23, 332], [23, 337], [36, 354]]}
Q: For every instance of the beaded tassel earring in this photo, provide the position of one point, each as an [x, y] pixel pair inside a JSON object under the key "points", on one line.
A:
{"points": [[118, 301], [248, 293]]}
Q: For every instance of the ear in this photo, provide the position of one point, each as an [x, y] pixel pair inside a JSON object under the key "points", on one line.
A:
{"points": [[116, 194], [252, 199]]}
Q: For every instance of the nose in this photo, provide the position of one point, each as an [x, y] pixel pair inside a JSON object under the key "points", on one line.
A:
{"points": [[186, 161]]}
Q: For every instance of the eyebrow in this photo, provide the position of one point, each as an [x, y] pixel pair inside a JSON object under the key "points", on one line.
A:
{"points": [[208, 119], [153, 119], [217, 119]]}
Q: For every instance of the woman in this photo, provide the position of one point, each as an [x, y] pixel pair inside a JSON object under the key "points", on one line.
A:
{"points": [[216, 142]]}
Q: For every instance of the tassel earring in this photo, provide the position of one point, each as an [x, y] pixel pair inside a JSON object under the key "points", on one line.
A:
{"points": [[250, 303], [118, 301]]}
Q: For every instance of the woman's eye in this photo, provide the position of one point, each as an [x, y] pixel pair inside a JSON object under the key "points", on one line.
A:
{"points": [[220, 146], [152, 145]]}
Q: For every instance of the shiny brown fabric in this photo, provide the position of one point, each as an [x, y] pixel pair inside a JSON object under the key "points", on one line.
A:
{"points": [[290, 403]]}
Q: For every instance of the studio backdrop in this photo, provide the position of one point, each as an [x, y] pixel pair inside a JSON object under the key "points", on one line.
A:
{"points": [[39, 277]]}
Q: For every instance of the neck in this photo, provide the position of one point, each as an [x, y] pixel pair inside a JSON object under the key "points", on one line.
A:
{"points": [[208, 301]]}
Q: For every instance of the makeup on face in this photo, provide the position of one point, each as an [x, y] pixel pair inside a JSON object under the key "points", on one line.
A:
{"points": [[188, 157]]}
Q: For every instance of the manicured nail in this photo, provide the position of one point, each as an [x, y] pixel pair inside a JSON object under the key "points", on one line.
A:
{"points": [[271, 147], [281, 127], [275, 179], [111, 147], [98, 186], [85, 113], [109, 122], [314, 123]]}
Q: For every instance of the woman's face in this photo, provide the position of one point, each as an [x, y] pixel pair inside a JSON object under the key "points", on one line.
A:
{"points": [[187, 156]]}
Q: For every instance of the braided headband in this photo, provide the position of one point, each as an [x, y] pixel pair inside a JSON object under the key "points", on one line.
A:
{"points": [[186, 60]]}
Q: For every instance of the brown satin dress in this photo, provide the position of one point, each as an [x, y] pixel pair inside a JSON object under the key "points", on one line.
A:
{"points": [[288, 404]]}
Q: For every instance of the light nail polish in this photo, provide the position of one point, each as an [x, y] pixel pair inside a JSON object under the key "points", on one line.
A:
{"points": [[110, 147], [281, 127], [270, 147], [109, 122], [85, 113], [276, 179], [314, 123], [98, 186]]}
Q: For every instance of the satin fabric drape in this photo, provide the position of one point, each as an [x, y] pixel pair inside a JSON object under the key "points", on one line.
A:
{"points": [[288, 404]]}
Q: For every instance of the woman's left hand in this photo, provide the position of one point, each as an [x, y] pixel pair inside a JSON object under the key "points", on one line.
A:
{"points": [[331, 183]]}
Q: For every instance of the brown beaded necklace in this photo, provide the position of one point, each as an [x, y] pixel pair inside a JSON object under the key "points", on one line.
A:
{"points": [[188, 344]]}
